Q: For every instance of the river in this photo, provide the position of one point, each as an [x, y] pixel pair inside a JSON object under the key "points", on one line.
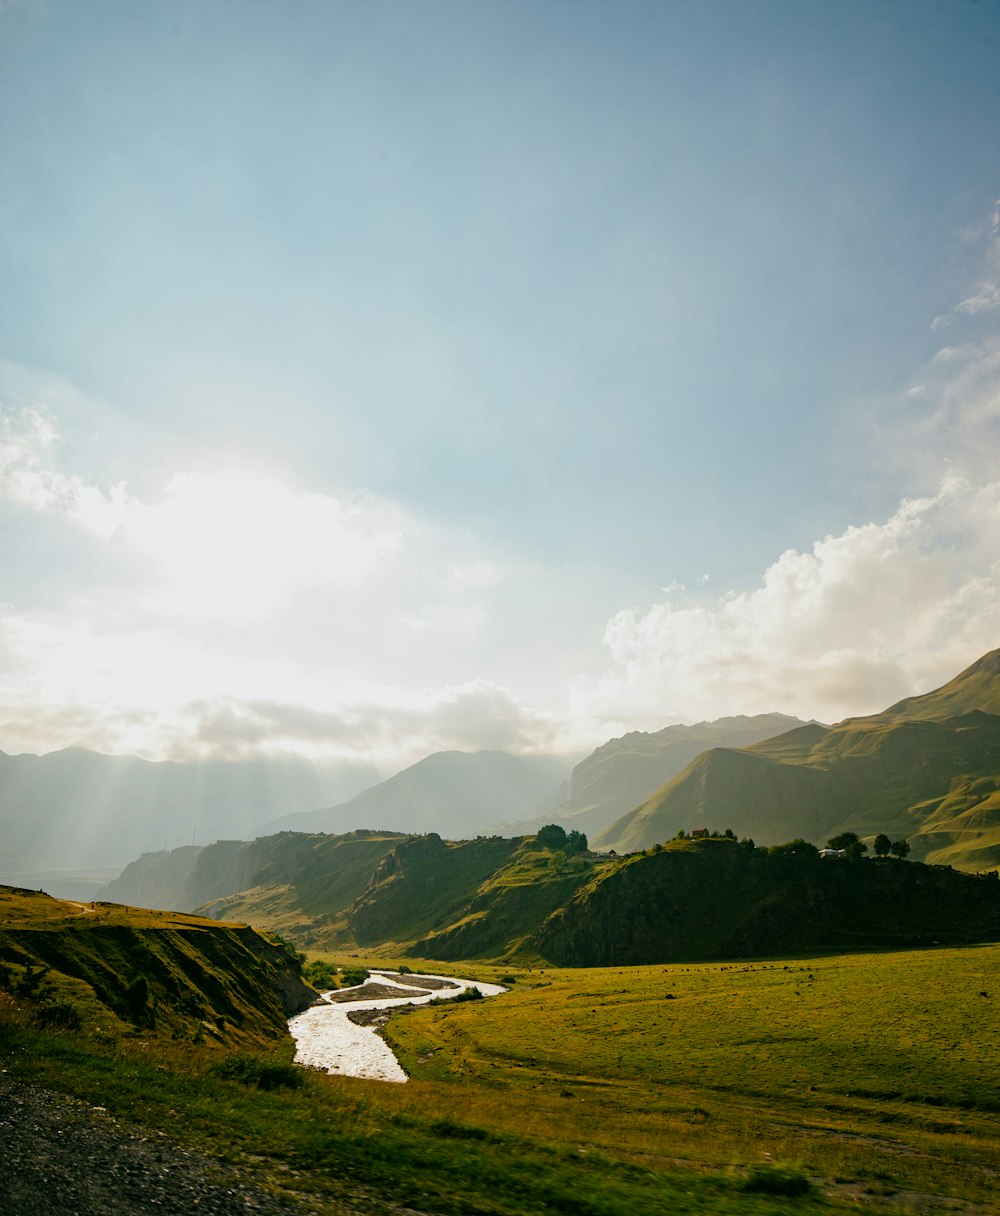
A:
{"points": [[326, 1038]]}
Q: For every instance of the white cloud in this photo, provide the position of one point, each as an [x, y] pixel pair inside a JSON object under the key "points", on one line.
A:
{"points": [[862, 619], [985, 296]]}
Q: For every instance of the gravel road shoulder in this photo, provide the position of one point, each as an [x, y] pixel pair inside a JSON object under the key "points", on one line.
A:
{"points": [[60, 1155]]}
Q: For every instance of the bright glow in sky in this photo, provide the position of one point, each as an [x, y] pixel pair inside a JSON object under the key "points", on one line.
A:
{"points": [[382, 378]]}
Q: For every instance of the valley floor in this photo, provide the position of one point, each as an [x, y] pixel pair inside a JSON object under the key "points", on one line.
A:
{"points": [[868, 1080]]}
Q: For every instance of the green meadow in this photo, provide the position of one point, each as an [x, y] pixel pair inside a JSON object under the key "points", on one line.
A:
{"points": [[875, 1075], [691, 1088]]}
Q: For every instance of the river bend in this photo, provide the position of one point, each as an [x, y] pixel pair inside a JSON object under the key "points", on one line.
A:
{"points": [[326, 1038]]}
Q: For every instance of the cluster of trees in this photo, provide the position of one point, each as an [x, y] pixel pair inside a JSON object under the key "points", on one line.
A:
{"points": [[882, 846], [552, 836], [850, 842]]}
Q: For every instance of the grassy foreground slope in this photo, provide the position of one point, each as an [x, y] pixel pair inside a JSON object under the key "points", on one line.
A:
{"points": [[927, 769], [122, 969]]}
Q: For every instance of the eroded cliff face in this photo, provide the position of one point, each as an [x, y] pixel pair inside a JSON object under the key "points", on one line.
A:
{"points": [[161, 972]]}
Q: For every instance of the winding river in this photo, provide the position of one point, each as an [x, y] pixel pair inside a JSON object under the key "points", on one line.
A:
{"points": [[327, 1038]]}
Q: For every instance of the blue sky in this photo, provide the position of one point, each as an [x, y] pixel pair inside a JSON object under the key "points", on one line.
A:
{"points": [[410, 366]]}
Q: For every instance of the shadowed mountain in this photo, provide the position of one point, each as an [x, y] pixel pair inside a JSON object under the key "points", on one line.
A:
{"points": [[78, 808], [456, 794], [927, 769], [623, 772]]}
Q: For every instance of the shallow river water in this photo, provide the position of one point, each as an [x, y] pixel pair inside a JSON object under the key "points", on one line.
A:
{"points": [[326, 1038]]}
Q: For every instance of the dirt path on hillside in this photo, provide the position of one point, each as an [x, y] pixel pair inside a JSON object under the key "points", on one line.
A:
{"points": [[64, 1156]]}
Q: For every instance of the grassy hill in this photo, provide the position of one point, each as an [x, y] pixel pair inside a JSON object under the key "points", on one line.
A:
{"points": [[284, 882], [116, 968], [907, 772]]}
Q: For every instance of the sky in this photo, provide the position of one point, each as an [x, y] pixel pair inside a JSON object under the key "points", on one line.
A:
{"points": [[389, 377]]}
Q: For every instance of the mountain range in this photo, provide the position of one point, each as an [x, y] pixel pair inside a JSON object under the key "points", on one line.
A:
{"points": [[624, 772], [926, 768], [453, 793], [78, 808]]}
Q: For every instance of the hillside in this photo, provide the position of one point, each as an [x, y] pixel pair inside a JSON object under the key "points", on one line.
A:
{"points": [[623, 772], [77, 808], [131, 968], [417, 895], [300, 876], [718, 898], [457, 794], [934, 780]]}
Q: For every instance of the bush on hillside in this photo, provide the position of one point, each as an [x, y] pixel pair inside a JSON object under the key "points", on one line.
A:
{"points": [[777, 1180], [258, 1072]]}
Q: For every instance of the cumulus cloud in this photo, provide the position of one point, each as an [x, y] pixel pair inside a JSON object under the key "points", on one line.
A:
{"points": [[860, 620]]}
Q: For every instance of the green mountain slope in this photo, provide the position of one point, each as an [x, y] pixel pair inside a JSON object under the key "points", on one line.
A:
{"points": [[720, 899], [623, 772], [931, 779], [425, 897], [977, 687], [285, 882]]}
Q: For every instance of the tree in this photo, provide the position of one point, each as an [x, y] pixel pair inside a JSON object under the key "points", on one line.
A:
{"points": [[851, 843], [576, 842], [882, 845], [899, 848], [794, 848], [551, 836]]}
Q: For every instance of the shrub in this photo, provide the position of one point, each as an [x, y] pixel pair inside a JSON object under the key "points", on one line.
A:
{"points": [[777, 1180], [259, 1073], [469, 994], [353, 976], [59, 1015], [320, 973]]}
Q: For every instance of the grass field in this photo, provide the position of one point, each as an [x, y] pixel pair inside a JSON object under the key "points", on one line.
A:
{"points": [[599, 1092], [877, 1074]]}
